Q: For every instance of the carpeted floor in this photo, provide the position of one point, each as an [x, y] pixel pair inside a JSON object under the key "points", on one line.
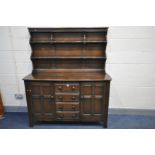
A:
{"points": [[20, 121]]}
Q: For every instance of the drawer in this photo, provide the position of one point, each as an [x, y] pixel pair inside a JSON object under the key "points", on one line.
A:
{"points": [[67, 115], [65, 106], [67, 87], [67, 97]]}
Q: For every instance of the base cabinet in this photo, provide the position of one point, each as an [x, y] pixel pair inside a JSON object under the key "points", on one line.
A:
{"points": [[67, 101]]}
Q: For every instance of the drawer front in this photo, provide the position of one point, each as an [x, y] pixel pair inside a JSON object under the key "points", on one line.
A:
{"points": [[67, 115], [67, 87], [65, 106], [67, 97]]}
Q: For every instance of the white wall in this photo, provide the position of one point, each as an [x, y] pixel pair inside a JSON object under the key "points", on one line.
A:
{"points": [[14, 63], [130, 62]]}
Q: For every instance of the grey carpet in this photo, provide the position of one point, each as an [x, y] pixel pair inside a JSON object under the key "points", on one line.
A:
{"points": [[20, 121]]}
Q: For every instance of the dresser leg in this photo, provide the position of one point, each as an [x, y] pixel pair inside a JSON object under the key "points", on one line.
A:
{"points": [[105, 125], [31, 122]]}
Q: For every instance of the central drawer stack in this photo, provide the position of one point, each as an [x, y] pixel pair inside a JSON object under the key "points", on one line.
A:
{"points": [[67, 101]]}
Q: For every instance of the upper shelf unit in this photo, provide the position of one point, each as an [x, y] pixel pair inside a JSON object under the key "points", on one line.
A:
{"points": [[68, 49]]}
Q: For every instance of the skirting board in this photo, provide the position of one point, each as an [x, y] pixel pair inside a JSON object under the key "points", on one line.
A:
{"points": [[115, 111]]}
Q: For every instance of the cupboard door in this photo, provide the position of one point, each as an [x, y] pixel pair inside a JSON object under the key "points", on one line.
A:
{"points": [[92, 101], [42, 100]]}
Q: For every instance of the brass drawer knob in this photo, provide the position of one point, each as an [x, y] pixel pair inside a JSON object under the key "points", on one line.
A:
{"points": [[60, 107], [73, 88], [61, 116], [74, 116], [73, 97], [60, 97], [60, 87], [52, 96], [73, 107]]}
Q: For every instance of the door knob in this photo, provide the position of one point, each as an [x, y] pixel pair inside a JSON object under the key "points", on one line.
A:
{"points": [[73, 98], [61, 107], [73, 88], [28, 90], [67, 85], [60, 87], [60, 97], [52, 96], [74, 116], [73, 107]]}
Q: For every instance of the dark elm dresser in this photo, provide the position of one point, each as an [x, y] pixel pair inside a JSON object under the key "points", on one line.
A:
{"points": [[68, 81]]}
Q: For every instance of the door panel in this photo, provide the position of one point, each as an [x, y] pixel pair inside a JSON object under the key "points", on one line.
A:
{"points": [[47, 89], [36, 105], [99, 89], [35, 88], [86, 88], [98, 106], [49, 106], [87, 106]]}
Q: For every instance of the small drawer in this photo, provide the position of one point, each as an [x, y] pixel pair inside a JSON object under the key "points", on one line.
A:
{"points": [[65, 106], [67, 87], [67, 115], [67, 97]]}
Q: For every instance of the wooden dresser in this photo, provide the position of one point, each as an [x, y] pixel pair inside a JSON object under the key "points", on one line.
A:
{"points": [[68, 81]]}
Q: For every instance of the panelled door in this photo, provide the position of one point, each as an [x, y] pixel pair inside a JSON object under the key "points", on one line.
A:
{"points": [[92, 100], [42, 100]]}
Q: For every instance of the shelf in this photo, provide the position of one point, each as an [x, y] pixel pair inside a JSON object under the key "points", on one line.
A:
{"points": [[33, 58], [66, 42], [70, 29], [70, 76]]}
